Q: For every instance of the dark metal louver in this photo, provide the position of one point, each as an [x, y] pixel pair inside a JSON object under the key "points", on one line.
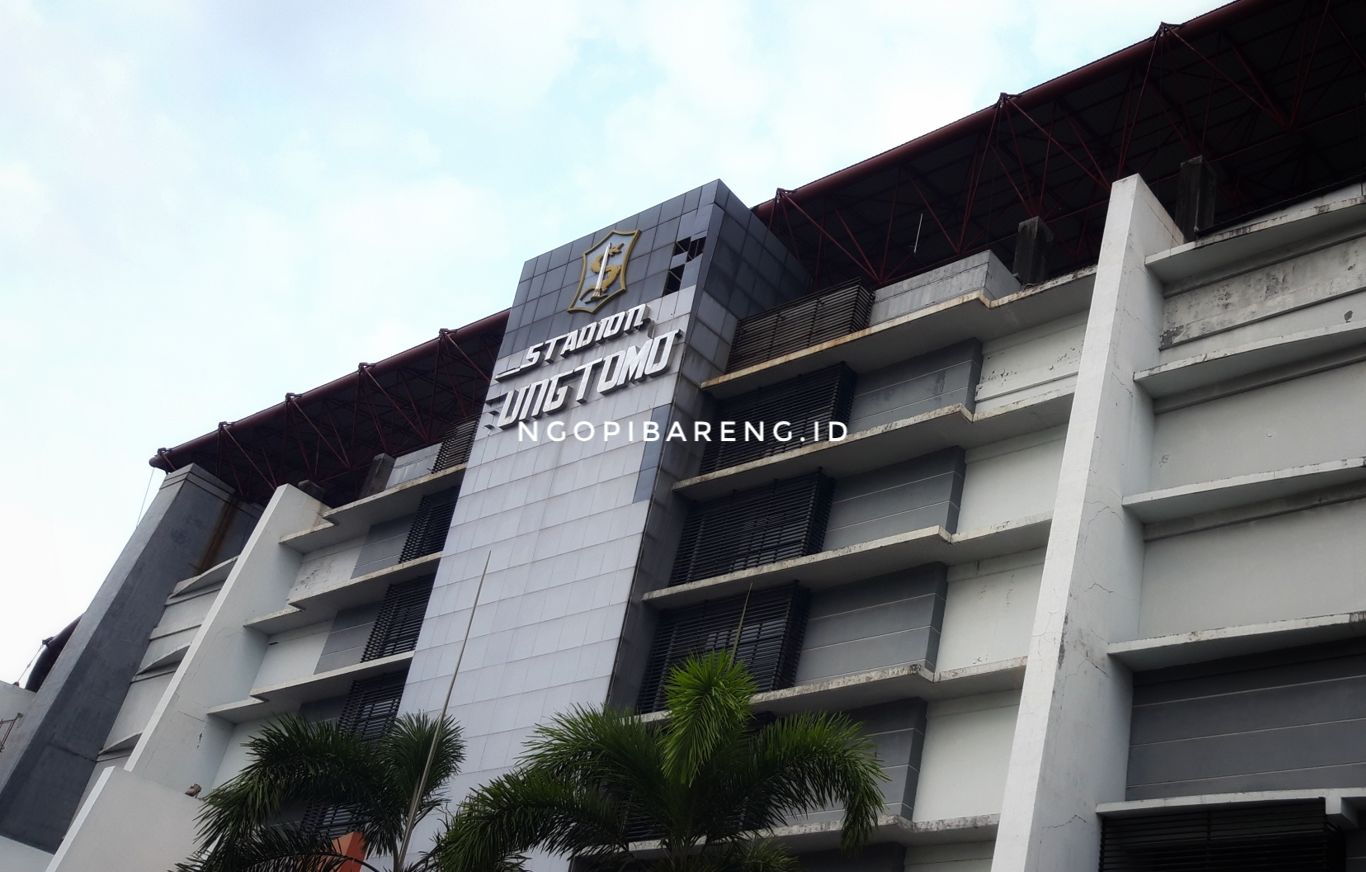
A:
{"points": [[400, 619], [455, 448], [1285, 837], [370, 707], [764, 629], [754, 527], [430, 525], [800, 324], [807, 400]]}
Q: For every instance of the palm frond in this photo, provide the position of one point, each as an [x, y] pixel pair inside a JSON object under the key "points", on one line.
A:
{"points": [[530, 808], [402, 754], [807, 761], [271, 849], [608, 749], [708, 702], [291, 760], [755, 855]]}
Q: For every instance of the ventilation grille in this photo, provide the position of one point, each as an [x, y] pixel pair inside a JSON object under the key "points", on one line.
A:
{"points": [[1287, 837], [400, 619], [455, 448], [430, 525], [801, 324], [370, 708], [786, 519], [815, 398], [769, 639]]}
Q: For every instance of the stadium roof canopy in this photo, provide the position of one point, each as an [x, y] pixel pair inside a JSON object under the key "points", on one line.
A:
{"points": [[1272, 94], [330, 434]]}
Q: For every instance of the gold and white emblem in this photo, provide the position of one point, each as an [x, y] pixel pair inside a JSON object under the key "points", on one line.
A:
{"points": [[604, 271]]}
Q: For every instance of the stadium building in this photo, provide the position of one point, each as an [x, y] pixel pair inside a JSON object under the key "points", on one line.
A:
{"points": [[1088, 563]]}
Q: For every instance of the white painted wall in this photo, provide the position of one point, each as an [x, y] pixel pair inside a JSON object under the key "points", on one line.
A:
{"points": [[235, 755], [185, 613], [161, 646], [14, 700], [1037, 356], [1012, 479], [141, 700], [967, 749], [111, 831], [989, 611], [18, 857], [1309, 273], [116, 762], [1255, 571], [1347, 309], [292, 655], [1305, 420], [327, 566], [967, 857]]}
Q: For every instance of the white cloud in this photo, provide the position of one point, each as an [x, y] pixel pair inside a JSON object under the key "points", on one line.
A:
{"points": [[206, 205]]}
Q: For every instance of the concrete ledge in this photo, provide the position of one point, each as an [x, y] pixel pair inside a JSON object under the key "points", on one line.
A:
{"points": [[170, 658], [890, 443], [1226, 364], [1235, 247], [1198, 646], [286, 697], [324, 603], [970, 316], [854, 563], [1188, 500], [353, 519], [892, 829], [208, 578], [907, 681], [122, 745], [1340, 803]]}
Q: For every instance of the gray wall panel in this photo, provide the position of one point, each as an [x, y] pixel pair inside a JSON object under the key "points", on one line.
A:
{"points": [[346, 640], [917, 386], [897, 731], [924, 492], [383, 545], [1290, 720], [882, 622], [981, 272]]}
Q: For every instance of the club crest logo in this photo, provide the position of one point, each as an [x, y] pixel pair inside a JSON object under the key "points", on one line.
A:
{"points": [[604, 271]]}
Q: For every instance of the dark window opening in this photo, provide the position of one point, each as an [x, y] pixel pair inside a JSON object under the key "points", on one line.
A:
{"points": [[764, 629], [752, 528], [800, 324], [674, 280], [430, 525], [400, 619], [1284, 837], [369, 710], [455, 448], [813, 399]]}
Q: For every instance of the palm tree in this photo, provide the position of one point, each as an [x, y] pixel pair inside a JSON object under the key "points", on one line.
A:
{"points": [[294, 763], [697, 793]]}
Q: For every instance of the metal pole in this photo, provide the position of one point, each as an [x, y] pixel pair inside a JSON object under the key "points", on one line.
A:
{"points": [[445, 707]]}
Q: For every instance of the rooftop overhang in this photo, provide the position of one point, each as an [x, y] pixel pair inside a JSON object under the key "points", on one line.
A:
{"points": [[1270, 92], [329, 435]]}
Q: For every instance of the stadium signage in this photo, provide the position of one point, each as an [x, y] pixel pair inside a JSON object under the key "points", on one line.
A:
{"points": [[602, 374]]}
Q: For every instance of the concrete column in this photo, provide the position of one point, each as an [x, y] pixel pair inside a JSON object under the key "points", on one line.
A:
{"points": [[192, 523], [1071, 737], [182, 744]]}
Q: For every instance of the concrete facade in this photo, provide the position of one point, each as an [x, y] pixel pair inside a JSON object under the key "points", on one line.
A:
{"points": [[1091, 550]]}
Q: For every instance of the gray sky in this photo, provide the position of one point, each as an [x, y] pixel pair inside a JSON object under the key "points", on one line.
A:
{"points": [[205, 205]]}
